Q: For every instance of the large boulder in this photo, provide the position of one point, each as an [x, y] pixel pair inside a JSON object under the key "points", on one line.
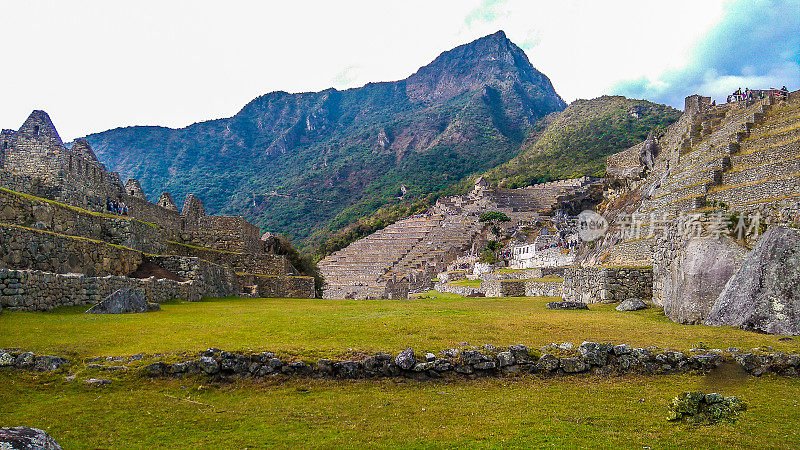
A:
{"points": [[631, 304], [124, 301], [764, 294], [697, 276], [26, 438]]}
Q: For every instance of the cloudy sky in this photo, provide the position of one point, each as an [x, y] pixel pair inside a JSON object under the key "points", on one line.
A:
{"points": [[95, 65]]}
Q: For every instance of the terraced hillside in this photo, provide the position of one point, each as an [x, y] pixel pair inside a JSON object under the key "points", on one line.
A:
{"points": [[735, 157], [365, 268], [408, 253]]}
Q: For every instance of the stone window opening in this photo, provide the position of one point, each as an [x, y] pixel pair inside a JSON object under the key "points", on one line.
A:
{"points": [[36, 130], [5, 145]]}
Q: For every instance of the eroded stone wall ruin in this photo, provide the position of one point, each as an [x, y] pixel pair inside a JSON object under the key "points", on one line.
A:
{"points": [[55, 222]]}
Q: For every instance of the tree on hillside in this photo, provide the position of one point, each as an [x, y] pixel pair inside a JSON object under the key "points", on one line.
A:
{"points": [[494, 219]]}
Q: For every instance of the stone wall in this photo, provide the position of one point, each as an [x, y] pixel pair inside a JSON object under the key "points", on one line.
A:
{"points": [[233, 234], [23, 210], [214, 280], [259, 264], [279, 286], [466, 291], [590, 357], [25, 248], [22, 183], [638, 252], [607, 284], [34, 290], [504, 288], [543, 288], [512, 275], [170, 221], [625, 164]]}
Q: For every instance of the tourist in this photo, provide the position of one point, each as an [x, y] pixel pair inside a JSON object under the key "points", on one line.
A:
{"points": [[124, 208], [108, 204]]}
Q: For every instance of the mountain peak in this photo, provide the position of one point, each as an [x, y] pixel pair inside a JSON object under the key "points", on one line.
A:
{"points": [[491, 59], [312, 162]]}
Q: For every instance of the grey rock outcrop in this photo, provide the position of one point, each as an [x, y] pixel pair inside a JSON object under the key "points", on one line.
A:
{"points": [[631, 304], [698, 275], [764, 294], [649, 152], [124, 301], [26, 438]]}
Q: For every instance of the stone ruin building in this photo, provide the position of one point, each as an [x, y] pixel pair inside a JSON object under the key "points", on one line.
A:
{"points": [[685, 212], [60, 246]]}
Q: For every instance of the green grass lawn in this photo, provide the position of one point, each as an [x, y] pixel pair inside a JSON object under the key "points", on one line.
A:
{"points": [[317, 328], [584, 411], [526, 411], [467, 283]]}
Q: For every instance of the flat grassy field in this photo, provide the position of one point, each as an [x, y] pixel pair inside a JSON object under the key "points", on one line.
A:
{"points": [[525, 411], [333, 328], [522, 411]]}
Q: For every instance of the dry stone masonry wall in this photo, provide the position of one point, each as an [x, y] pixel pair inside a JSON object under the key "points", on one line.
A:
{"points": [[274, 286], [25, 248], [34, 290], [54, 218], [607, 284], [553, 360]]}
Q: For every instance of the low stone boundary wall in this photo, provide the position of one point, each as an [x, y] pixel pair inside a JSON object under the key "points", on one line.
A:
{"points": [[607, 284], [33, 290], [470, 362], [466, 291], [279, 286], [17, 359], [600, 359]]}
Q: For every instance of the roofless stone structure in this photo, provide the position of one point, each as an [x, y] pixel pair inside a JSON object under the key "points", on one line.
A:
{"points": [[60, 244]]}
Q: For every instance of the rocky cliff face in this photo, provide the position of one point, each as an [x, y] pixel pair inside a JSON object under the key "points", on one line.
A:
{"points": [[296, 163]]}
